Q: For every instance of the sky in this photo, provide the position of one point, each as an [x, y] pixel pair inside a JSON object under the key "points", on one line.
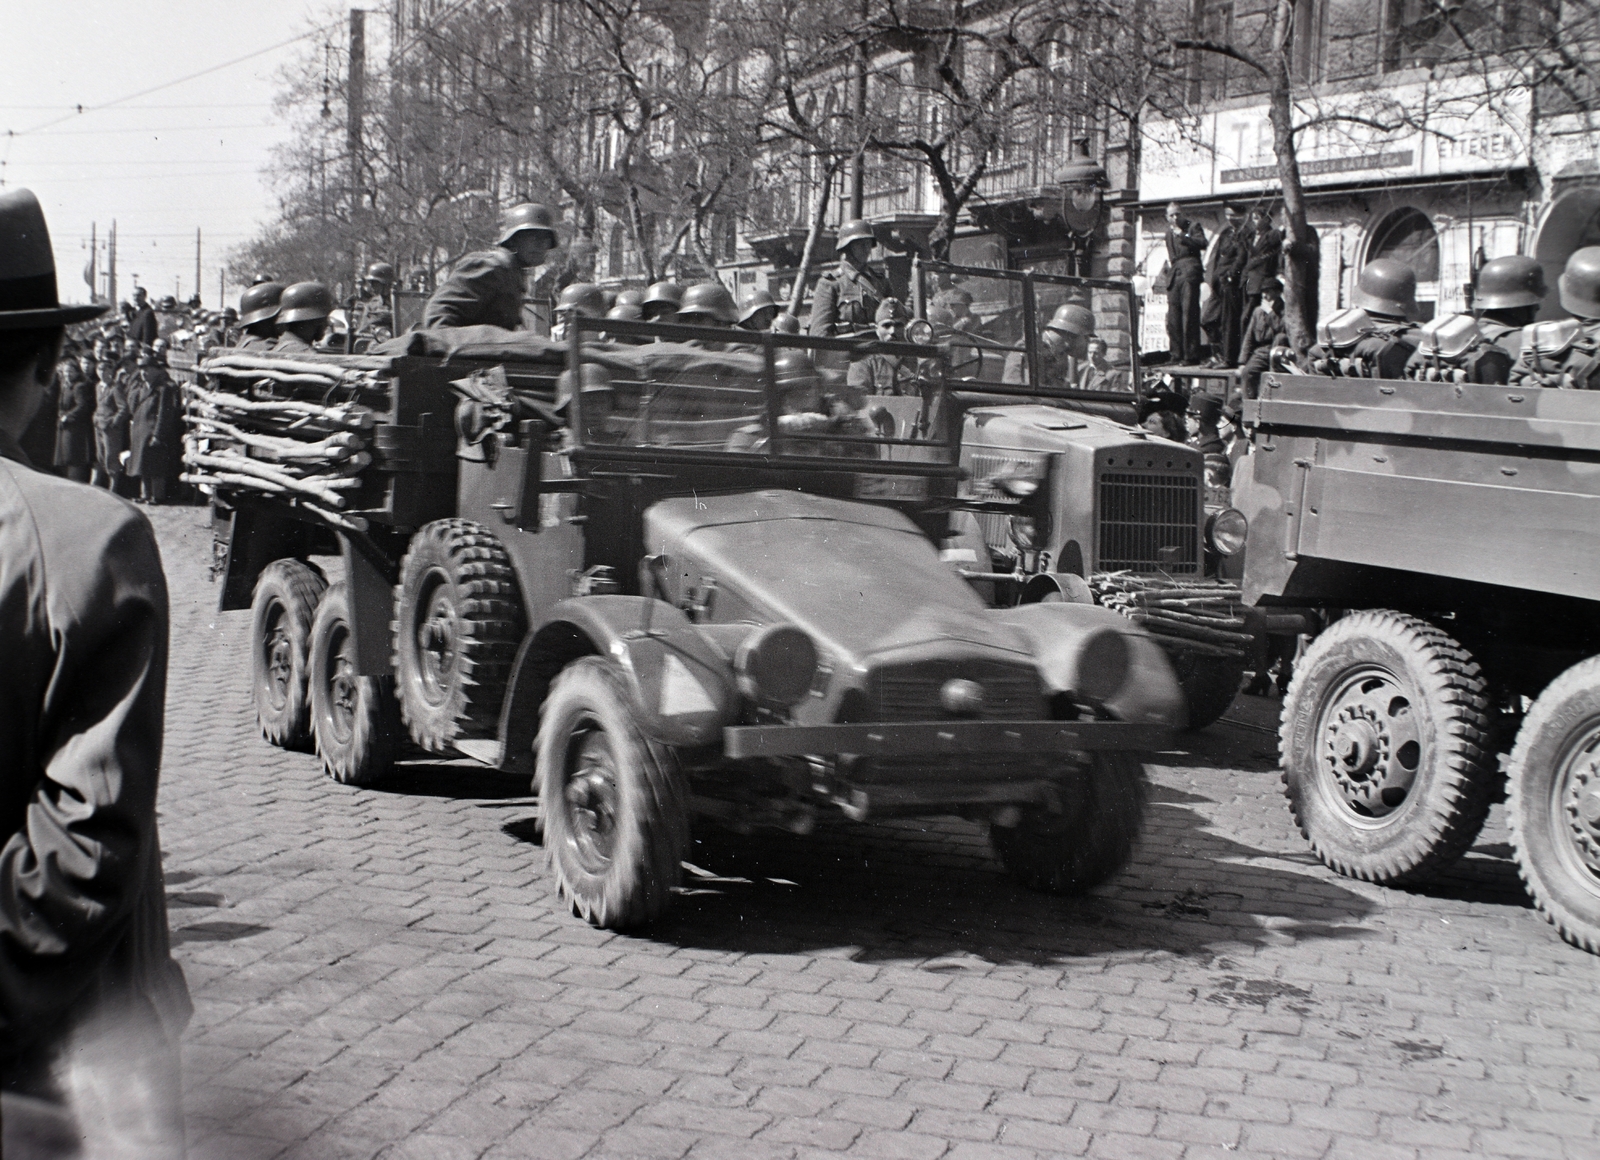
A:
{"points": [[162, 164]]}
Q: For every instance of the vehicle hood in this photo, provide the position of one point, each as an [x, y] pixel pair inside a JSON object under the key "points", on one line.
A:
{"points": [[861, 579], [1031, 427]]}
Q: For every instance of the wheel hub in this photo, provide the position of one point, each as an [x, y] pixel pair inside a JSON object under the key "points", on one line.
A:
{"points": [[436, 645], [1372, 745], [280, 665], [1583, 811], [591, 799]]}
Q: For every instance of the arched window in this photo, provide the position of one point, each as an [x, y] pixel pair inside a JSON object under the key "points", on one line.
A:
{"points": [[1408, 236]]}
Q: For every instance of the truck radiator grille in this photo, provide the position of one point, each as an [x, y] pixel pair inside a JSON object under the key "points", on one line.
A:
{"points": [[911, 692], [1143, 513]]}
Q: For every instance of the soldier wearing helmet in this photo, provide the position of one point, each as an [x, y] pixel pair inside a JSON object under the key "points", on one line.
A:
{"points": [[660, 302], [596, 404], [707, 304], [486, 288], [1063, 345], [1565, 353], [847, 299], [757, 310], [303, 312], [1383, 337], [372, 316], [785, 323], [630, 298], [584, 298], [1507, 299], [258, 315]]}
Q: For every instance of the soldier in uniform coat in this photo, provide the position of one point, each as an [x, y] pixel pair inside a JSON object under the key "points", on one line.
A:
{"points": [[486, 288], [847, 299], [258, 315], [1565, 353], [91, 1003], [110, 424], [303, 314], [1508, 296]]}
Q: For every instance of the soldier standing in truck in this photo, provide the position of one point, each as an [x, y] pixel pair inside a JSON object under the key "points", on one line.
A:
{"points": [[486, 288], [847, 299]]}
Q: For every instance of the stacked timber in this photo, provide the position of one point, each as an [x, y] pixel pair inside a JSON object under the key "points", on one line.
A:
{"points": [[297, 432], [1204, 618]]}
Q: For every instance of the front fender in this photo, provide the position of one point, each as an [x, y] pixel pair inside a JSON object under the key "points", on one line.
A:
{"points": [[681, 687], [1062, 636]]}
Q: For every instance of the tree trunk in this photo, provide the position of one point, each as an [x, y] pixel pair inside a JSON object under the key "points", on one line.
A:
{"points": [[1300, 250], [818, 216]]}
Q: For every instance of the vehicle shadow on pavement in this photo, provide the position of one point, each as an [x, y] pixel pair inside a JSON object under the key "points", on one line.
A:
{"points": [[930, 889], [462, 780]]}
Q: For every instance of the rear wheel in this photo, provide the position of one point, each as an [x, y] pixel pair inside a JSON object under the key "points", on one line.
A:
{"points": [[354, 719], [1209, 684], [614, 802], [281, 611], [458, 621], [1554, 803], [1091, 837], [1384, 746]]}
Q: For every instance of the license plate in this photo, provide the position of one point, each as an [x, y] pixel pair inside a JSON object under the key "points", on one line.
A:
{"points": [[891, 487]]}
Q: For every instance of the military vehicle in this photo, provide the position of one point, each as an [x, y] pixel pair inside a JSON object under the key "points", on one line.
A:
{"points": [[1072, 501], [676, 585], [1452, 533]]}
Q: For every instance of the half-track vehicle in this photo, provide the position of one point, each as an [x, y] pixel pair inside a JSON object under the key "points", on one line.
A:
{"points": [[668, 579], [1451, 532], [1071, 500]]}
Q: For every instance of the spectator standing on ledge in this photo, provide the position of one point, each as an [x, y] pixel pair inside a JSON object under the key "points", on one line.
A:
{"points": [[91, 1003]]}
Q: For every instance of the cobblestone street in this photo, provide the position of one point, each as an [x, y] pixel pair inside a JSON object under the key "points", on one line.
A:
{"points": [[388, 972]]}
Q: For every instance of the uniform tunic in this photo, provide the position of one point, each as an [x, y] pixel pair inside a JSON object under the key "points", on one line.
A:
{"points": [[484, 289], [847, 300], [111, 420], [84, 945], [291, 343]]}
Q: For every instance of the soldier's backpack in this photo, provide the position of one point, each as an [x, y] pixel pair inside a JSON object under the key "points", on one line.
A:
{"points": [[1337, 336], [1564, 354], [1453, 349]]}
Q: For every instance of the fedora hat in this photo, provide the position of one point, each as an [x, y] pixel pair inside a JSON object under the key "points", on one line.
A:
{"points": [[28, 269]]}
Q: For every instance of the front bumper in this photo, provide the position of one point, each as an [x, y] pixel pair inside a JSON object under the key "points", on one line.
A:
{"points": [[941, 737]]}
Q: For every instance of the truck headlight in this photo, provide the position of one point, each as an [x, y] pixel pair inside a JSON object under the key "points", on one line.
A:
{"points": [[1226, 530], [919, 331], [775, 665]]}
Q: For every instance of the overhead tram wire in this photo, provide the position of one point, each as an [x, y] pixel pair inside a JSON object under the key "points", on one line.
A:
{"points": [[80, 110]]}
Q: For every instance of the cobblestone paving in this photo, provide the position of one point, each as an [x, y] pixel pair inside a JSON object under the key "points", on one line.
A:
{"points": [[388, 972]]}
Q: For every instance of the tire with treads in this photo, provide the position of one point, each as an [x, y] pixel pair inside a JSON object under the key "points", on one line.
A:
{"points": [[1553, 804], [1209, 684], [1384, 744], [281, 611], [614, 803], [1089, 840], [457, 624], [354, 719]]}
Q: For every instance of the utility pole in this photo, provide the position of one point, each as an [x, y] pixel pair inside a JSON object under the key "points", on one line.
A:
{"points": [[222, 289], [197, 261], [111, 266], [356, 100], [94, 264]]}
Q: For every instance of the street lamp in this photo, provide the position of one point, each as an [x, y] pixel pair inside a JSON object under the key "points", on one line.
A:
{"points": [[1082, 180]]}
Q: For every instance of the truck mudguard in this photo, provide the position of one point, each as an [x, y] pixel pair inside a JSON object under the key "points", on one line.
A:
{"points": [[1098, 655], [682, 688]]}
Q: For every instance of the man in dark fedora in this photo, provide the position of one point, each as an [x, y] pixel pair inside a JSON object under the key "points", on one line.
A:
{"points": [[91, 1003]]}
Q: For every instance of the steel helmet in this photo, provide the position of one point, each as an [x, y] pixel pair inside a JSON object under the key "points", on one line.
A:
{"points": [[304, 302], [530, 215], [708, 298], [754, 300], [229, 314], [584, 297], [1506, 283], [850, 231], [1386, 287], [259, 303], [667, 294], [593, 378], [263, 277], [785, 323], [380, 272], [793, 368], [1580, 283], [167, 303], [626, 312], [1072, 319], [629, 298]]}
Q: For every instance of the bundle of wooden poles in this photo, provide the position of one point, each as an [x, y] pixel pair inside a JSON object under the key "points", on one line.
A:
{"points": [[1204, 619], [299, 432]]}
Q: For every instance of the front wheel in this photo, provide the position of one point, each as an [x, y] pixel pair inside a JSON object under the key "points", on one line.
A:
{"points": [[1384, 747], [1088, 840], [1554, 803], [354, 719], [614, 802]]}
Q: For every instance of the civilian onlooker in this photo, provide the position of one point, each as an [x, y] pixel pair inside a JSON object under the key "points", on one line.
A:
{"points": [[1186, 243], [1265, 332], [154, 426], [110, 422], [74, 450], [1226, 279], [1264, 252], [143, 325], [91, 1003]]}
